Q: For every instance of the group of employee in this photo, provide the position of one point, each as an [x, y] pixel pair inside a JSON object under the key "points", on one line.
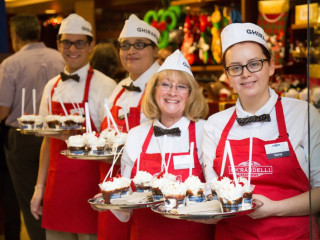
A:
{"points": [[167, 97]]}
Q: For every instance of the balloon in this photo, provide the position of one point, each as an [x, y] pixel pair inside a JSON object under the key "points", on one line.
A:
{"points": [[149, 16]]}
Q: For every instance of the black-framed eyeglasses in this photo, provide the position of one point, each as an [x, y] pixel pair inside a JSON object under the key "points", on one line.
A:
{"points": [[253, 66], [79, 44], [136, 45], [181, 88]]}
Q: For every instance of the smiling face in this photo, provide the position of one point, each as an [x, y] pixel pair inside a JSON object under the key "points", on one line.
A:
{"points": [[172, 101], [251, 87], [75, 58], [136, 62]]}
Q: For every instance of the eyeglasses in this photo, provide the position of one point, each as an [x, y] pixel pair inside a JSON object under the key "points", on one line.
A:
{"points": [[181, 88], [79, 44], [254, 66], [136, 45]]}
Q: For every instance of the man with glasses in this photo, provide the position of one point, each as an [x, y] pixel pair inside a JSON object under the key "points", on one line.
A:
{"points": [[138, 54], [69, 183], [31, 67]]}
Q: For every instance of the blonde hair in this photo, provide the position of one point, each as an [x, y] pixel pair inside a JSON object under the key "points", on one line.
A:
{"points": [[196, 106]]}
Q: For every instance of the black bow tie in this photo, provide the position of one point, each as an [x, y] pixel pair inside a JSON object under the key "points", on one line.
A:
{"points": [[131, 87], [158, 131], [65, 77], [261, 118]]}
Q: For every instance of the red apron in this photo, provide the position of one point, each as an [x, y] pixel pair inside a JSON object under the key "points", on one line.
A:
{"points": [[109, 227], [277, 179], [70, 183], [149, 225]]}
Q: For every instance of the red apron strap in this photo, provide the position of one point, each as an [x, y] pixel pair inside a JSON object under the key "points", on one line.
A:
{"points": [[88, 81], [54, 86], [280, 119], [192, 135], [147, 141], [118, 96], [226, 130]]}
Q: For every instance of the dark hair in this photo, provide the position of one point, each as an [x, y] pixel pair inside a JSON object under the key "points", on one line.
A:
{"points": [[105, 58], [89, 38], [265, 52], [26, 26]]}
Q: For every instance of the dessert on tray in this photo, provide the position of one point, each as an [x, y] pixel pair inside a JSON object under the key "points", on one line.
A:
{"points": [[114, 187], [76, 145], [30, 122], [233, 197], [157, 183], [142, 181], [195, 190], [95, 144], [174, 194]]}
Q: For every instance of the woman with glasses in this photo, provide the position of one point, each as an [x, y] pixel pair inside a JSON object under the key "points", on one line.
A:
{"points": [[138, 53], [278, 127], [176, 108]]}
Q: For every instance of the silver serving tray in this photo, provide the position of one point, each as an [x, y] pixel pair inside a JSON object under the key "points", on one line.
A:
{"points": [[160, 208], [97, 203], [27, 131], [51, 131], [106, 156]]}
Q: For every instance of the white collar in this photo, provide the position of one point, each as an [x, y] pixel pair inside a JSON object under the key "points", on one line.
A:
{"points": [[182, 124], [265, 109], [142, 80], [82, 72]]}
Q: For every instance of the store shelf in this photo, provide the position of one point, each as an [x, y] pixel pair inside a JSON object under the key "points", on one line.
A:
{"points": [[302, 26], [207, 68], [188, 2]]}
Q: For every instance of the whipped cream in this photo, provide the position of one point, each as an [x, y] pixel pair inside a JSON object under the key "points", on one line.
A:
{"points": [[174, 188], [143, 177], [194, 184], [75, 141]]}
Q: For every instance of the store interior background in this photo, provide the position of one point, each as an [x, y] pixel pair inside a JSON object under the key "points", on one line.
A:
{"points": [[108, 16]]}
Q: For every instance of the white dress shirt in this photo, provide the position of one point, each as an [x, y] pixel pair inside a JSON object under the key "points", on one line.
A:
{"points": [[101, 87], [296, 119], [175, 144], [132, 98]]}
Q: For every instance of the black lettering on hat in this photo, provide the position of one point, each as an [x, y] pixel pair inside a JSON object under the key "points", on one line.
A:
{"points": [[86, 29], [186, 64], [258, 34], [147, 31]]}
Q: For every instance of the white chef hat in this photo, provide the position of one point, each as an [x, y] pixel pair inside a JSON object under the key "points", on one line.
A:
{"points": [[75, 24], [242, 32], [134, 27], [176, 61]]}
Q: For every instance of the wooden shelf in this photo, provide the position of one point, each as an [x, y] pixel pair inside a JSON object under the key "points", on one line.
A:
{"points": [[207, 68], [188, 2], [302, 26]]}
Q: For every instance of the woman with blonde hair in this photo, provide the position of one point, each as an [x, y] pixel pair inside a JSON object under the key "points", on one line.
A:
{"points": [[175, 107]]}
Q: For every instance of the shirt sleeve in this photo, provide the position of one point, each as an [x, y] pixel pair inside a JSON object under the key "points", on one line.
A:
{"points": [[7, 84], [314, 146], [211, 137]]}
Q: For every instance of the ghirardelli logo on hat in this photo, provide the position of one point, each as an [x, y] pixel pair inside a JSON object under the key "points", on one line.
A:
{"points": [[258, 34], [139, 29], [186, 65], [86, 29]]}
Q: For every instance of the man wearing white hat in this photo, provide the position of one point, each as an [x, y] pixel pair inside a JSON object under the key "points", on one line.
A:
{"points": [[138, 54], [268, 133], [175, 106], [69, 183]]}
